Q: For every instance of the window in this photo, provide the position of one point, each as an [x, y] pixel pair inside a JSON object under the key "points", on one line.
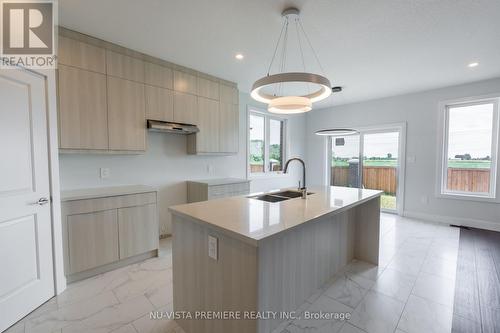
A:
{"points": [[266, 143], [470, 149]]}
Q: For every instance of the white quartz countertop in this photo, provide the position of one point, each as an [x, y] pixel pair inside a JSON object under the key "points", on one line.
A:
{"points": [[220, 181], [100, 192], [253, 220]]}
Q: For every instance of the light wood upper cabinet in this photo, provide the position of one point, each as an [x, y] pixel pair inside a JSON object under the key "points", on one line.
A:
{"points": [[124, 67], [107, 92], [92, 240], [159, 76], [159, 103], [208, 88], [185, 82], [228, 128], [185, 108], [228, 94], [138, 230], [207, 139], [126, 115], [83, 119], [82, 55]]}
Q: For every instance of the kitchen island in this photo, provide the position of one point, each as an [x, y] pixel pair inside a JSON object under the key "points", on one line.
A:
{"points": [[236, 259]]}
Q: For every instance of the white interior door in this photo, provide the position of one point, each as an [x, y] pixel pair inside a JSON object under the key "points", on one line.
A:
{"points": [[26, 268]]}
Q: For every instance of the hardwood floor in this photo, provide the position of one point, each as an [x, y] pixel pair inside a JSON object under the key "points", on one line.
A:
{"points": [[477, 292]]}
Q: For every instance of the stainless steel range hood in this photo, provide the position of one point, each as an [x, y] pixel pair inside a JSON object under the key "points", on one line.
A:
{"points": [[170, 127]]}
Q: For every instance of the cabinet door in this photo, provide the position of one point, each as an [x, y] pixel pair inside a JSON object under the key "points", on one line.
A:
{"points": [[207, 139], [185, 82], [83, 120], [126, 115], [124, 67], [228, 128], [138, 230], [158, 76], [228, 94], [208, 88], [82, 55], [92, 240], [159, 104], [185, 108]]}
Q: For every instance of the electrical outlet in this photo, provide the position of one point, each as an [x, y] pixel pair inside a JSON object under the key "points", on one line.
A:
{"points": [[213, 247], [104, 173]]}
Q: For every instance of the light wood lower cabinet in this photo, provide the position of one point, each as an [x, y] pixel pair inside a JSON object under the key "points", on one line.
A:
{"points": [[101, 234], [92, 240], [83, 119], [126, 115], [138, 230]]}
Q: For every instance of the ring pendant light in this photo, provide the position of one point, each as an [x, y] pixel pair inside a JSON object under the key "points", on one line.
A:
{"points": [[279, 102]]}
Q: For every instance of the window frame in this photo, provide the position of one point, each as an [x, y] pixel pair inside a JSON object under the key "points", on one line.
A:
{"points": [[442, 168], [267, 117]]}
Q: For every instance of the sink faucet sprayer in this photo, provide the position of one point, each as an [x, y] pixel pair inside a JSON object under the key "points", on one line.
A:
{"points": [[303, 189]]}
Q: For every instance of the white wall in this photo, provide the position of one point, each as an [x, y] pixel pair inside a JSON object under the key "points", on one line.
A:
{"points": [[420, 112], [167, 165]]}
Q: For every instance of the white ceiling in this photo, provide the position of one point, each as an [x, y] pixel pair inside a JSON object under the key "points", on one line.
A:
{"points": [[371, 48]]}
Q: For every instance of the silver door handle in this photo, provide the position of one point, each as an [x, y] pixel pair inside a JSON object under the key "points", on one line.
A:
{"points": [[41, 202]]}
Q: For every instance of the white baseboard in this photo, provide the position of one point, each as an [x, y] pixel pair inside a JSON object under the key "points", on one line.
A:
{"points": [[480, 224]]}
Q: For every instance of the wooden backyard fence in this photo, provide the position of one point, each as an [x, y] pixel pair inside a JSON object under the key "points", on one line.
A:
{"points": [[468, 180], [384, 179]]}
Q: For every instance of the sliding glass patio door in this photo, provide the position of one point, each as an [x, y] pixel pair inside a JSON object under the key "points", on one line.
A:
{"points": [[370, 160]]}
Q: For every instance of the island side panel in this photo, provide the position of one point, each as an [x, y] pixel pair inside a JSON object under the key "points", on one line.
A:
{"points": [[368, 231], [201, 283], [295, 264]]}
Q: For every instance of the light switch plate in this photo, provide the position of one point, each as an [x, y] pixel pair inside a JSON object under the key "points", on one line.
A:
{"points": [[213, 244], [104, 173]]}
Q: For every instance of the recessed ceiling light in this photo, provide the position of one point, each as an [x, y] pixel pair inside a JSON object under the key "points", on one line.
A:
{"points": [[239, 56], [473, 64]]}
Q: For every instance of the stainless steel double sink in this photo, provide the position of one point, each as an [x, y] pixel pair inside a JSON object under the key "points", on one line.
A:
{"points": [[278, 196]]}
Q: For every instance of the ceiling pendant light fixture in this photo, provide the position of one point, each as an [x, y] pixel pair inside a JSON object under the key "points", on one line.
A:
{"points": [[337, 132], [271, 88]]}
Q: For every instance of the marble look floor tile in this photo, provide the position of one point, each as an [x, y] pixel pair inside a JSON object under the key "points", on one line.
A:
{"points": [[142, 281], [435, 288], [364, 269], [349, 288], [146, 324], [90, 287], [422, 315], [348, 328], [322, 304], [161, 295], [395, 284], [49, 306], [129, 328], [113, 317], [16, 328], [72, 313], [377, 313], [406, 264], [440, 267], [443, 251]]}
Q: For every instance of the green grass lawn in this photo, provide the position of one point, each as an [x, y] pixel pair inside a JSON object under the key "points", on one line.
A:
{"points": [[388, 201]]}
